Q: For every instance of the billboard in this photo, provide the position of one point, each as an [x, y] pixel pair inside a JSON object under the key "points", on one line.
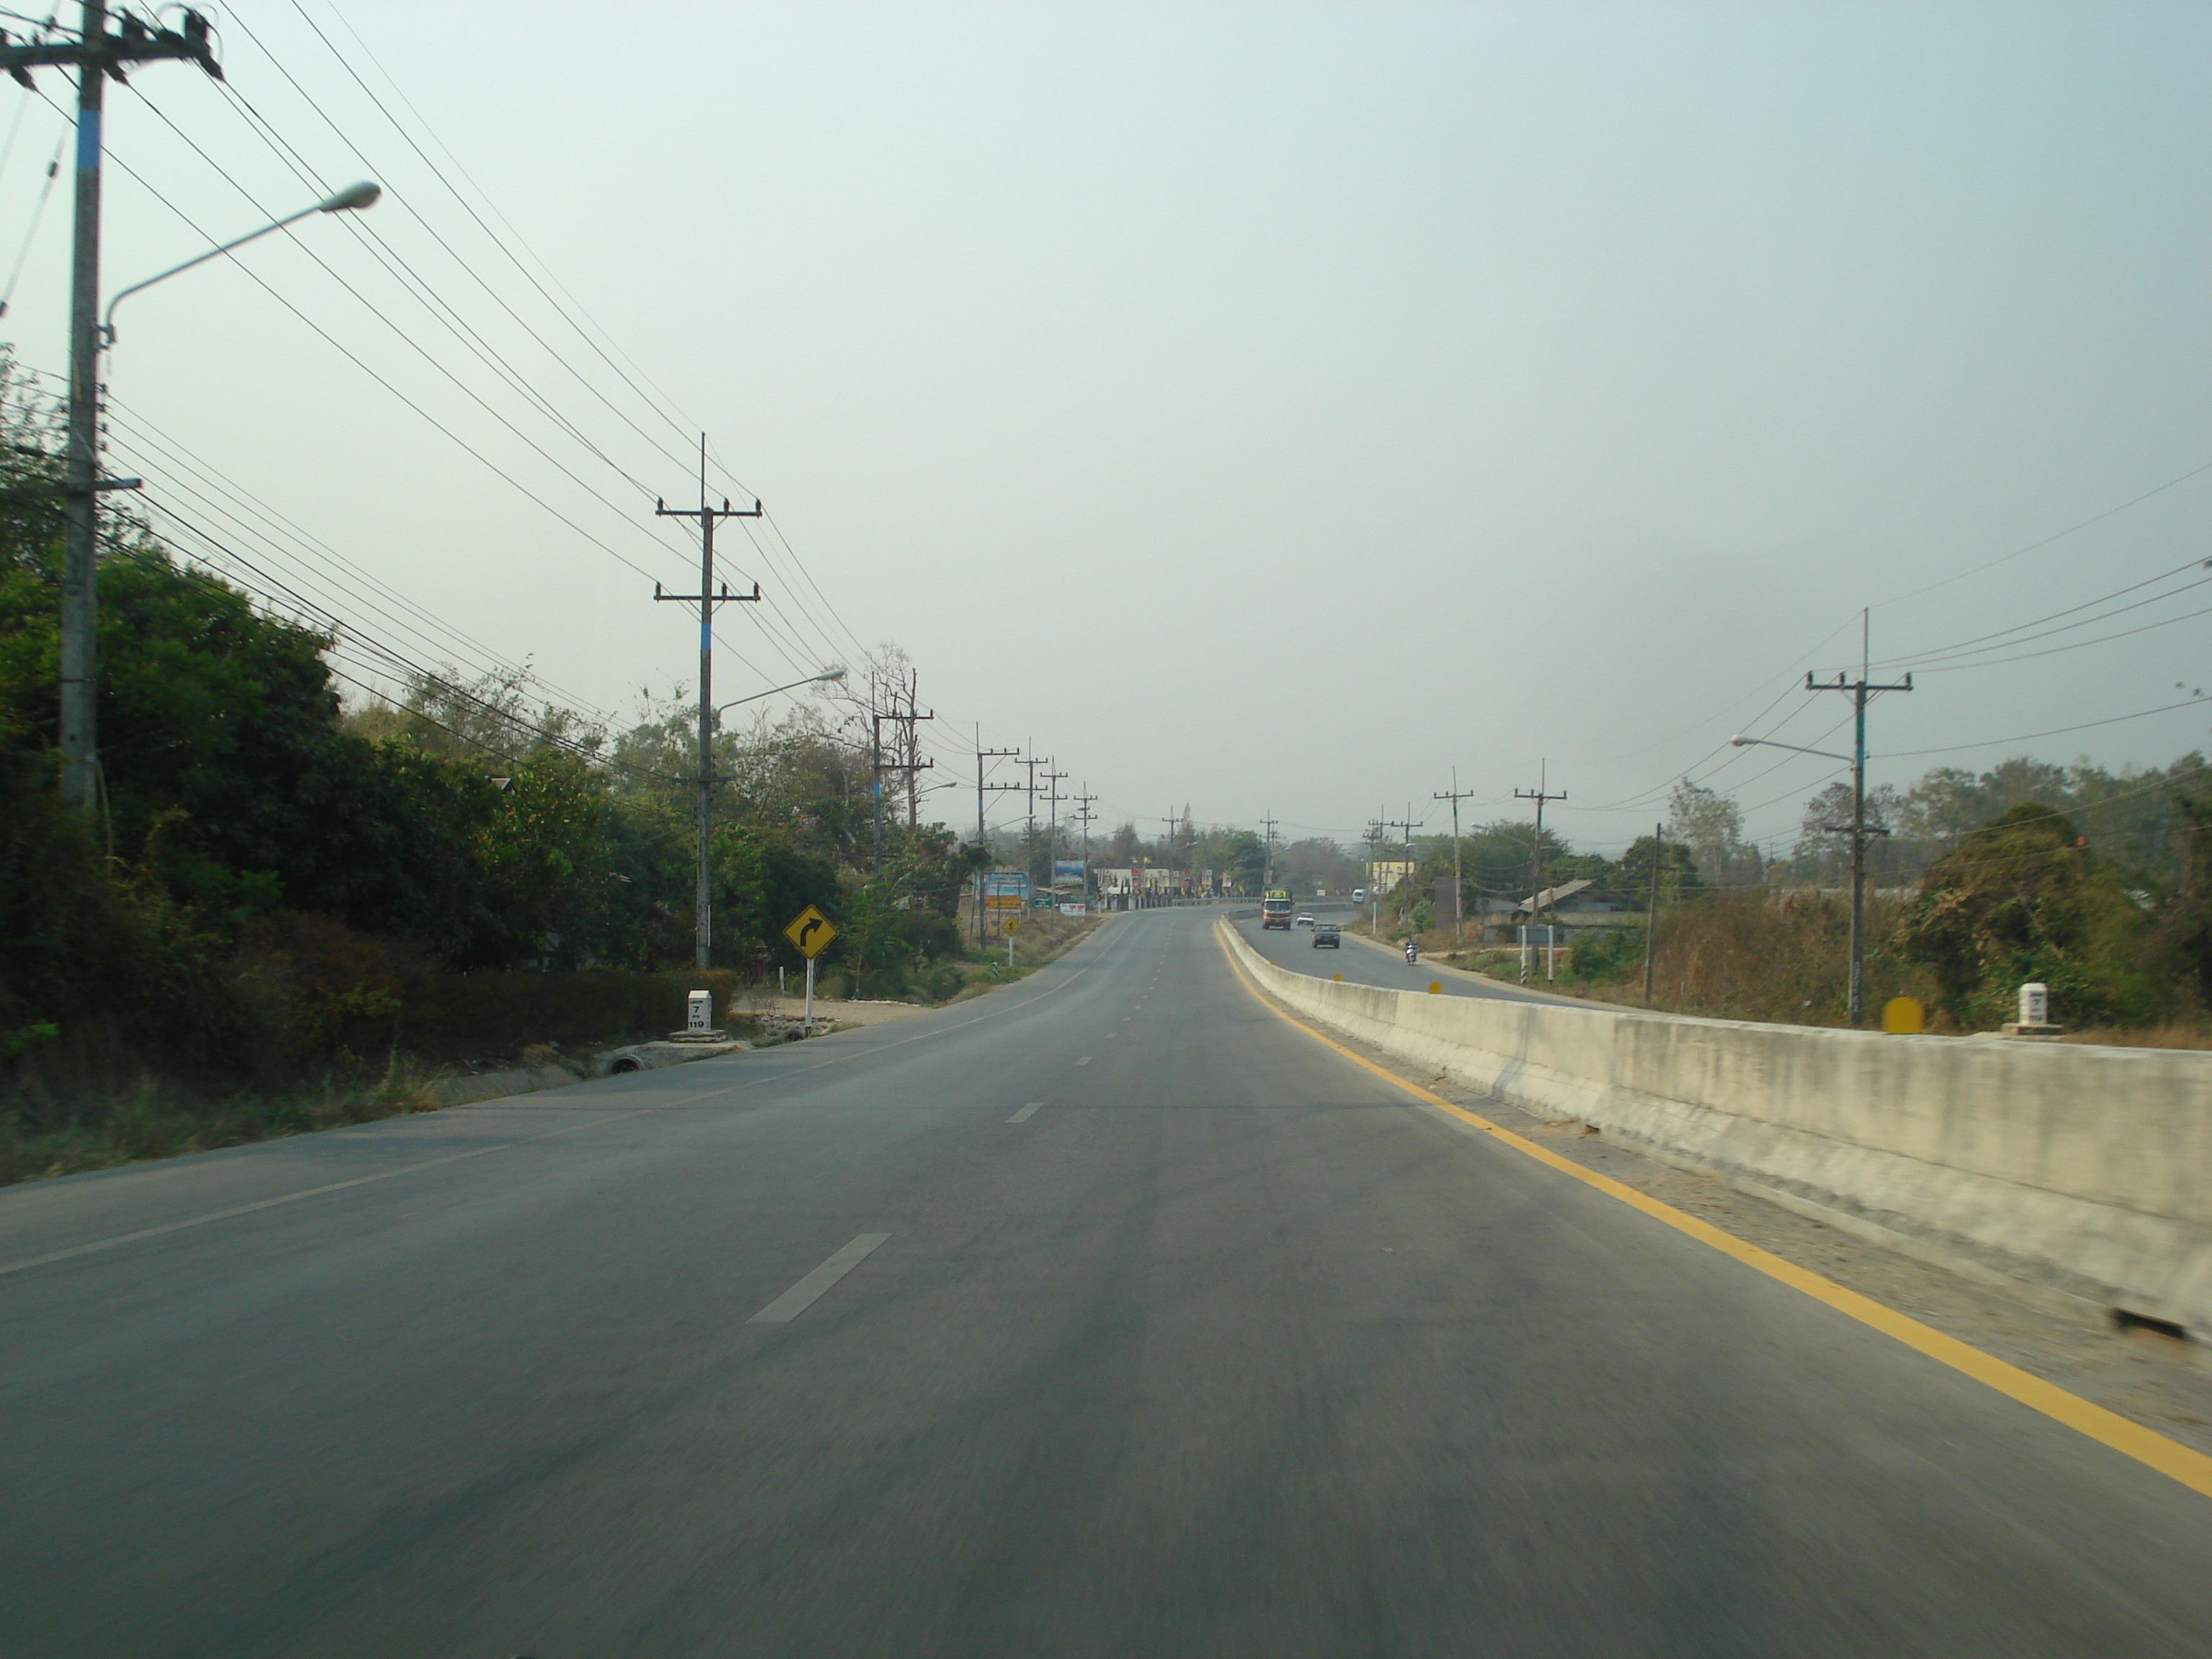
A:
{"points": [[1005, 891], [1067, 873]]}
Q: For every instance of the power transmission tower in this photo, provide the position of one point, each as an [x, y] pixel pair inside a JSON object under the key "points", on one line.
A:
{"points": [[1456, 795], [95, 54], [1535, 854], [707, 598], [1860, 691]]}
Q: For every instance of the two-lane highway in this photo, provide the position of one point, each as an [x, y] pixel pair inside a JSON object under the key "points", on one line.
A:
{"points": [[1362, 963], [1109, 1314]]}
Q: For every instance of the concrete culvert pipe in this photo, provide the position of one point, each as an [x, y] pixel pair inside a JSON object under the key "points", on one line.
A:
{"points": [[627, 1063]]}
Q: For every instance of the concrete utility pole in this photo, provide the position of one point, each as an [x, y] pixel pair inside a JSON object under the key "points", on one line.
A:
{"points": [[1456, 795], [1083, 815], [909, 746], [1267, 825], [1860, 691], [1373, 837], [1651, 916], [1052, 825], [982, 836], [1536, 854], [1028, 834], [95, 55], [707, 597], [1409, 824]]}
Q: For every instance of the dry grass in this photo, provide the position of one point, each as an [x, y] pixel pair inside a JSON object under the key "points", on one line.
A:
{"points": [[95, 1130]]}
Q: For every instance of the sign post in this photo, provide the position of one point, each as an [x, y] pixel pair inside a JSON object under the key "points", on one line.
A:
{"points": [[1011, 926], [810, 932]]}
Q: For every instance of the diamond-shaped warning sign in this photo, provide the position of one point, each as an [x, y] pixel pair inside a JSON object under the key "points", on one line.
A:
{"points": [[811, 931]]}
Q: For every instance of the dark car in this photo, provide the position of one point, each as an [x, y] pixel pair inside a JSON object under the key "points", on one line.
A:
{"points": [[1328, 934]]}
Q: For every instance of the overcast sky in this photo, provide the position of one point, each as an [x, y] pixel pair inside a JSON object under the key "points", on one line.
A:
{"points": [[1268, 409]]}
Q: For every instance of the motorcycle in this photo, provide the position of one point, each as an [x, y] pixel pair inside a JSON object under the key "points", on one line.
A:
{"points": [[1412, 951]]}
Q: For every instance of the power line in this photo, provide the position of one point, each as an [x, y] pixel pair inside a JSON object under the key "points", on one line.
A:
{"points": [[1959, 646], [376, 312], [489, 465], [2060, 535], [167, 454], [2056, 732], [2076, 645]]}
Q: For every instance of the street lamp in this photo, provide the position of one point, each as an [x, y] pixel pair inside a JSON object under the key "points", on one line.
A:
{"points": [[80, 623], [703, 926], [1856, 762], [351, 199], [825, 676]]}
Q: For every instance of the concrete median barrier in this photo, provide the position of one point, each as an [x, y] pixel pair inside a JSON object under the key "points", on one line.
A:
{"points": [[2084, 1170]]}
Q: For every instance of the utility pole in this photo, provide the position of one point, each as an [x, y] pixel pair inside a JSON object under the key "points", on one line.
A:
{"points": [[983, 755], [1028, 835], [95, 55], [1651, 916], [1409, 824], [1083, 815], [1268, 823], [1052, 829], [1373, 836], [1535, 855], [913, 750], [1860, 691], [707, 597], [909, 746], [1456, 795]]}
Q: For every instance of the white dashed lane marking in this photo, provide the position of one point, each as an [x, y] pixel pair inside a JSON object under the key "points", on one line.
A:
{"points": [[804, 1295]]}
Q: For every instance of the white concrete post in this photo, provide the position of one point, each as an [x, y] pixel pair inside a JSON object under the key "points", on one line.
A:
{"points": [[700, 1016], [2035, 1005]]}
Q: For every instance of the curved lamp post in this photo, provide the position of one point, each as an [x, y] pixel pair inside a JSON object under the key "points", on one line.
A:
{"points": [[823, 677], [1857, 763], [352, 199], [703, 929], [80, 709]]}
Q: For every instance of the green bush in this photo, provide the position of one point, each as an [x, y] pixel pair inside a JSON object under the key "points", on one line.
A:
{"points": [[1603, 956]]}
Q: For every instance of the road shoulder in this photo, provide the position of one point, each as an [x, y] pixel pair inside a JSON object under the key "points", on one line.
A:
{"points": [[2158, 1382]]}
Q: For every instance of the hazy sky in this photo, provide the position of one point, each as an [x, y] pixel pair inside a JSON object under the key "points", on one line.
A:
{"points": [[1260, 408]]}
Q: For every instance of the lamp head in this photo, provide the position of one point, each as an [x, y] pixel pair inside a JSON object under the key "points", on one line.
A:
{"points": [[362, 195], [1742, 742], [830, 674]]}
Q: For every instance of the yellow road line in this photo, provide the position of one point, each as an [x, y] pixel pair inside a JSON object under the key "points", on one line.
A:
{"points": [[2153, 1450]]}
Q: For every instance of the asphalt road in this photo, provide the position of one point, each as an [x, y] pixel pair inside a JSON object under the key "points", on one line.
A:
{"points": [[1224, 1347], [1362, 965]]}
